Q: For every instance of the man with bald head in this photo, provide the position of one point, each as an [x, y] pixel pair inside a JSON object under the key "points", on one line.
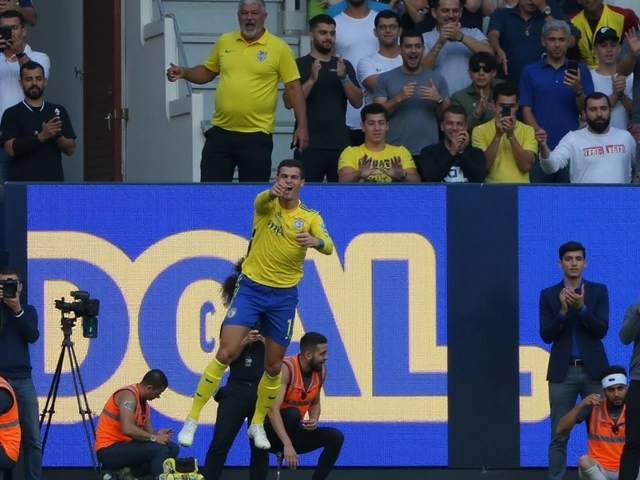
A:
{"points": [[250, 62]]}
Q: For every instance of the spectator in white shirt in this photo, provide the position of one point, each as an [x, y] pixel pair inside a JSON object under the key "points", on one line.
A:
{"points": [[596, 154], [607, 80], [354, 40], [387, 30], [449, 45], [15, 52]]}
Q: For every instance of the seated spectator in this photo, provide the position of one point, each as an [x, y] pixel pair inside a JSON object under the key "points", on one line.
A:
{"points": [[14, 53], [34, 133], [387, 30], [596, 154], [375, 160], [24, 7], [453, 160], [10, 433], [476, 99], [605, 418], [293, 424], [552, 92], [414, 96], [592, 18], [509, 145], [515, 34], [449, 46], [606, 79], [126, 440]]}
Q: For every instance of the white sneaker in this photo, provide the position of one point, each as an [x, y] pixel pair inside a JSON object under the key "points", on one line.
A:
{"points": [[185, 437], [259, 436]]}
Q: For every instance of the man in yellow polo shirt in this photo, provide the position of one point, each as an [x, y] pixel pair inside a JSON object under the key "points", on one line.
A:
{"points": [[250, 62], [376, 161], [509, 146]]}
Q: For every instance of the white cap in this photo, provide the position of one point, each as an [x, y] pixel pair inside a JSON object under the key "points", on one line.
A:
{"points": [[613, 380]]}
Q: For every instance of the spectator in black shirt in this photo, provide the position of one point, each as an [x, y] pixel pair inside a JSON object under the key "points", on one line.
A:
{"points": [[453, 160], [327, 83], [34, 133]]}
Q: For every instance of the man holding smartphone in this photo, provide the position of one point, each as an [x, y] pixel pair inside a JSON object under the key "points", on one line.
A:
{"points": [[34, 133], [574, 318], [552, 92]]}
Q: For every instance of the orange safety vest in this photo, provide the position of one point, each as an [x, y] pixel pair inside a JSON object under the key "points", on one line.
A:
{"points": [[10, 433], [606, 437], [296, 395], [109, 429]]}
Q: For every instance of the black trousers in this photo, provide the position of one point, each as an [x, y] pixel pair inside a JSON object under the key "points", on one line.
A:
{"points": [[630, 460], [319, 163], [144, 458], [304, 441], [236, 403], [356, 137], [225, 150]]}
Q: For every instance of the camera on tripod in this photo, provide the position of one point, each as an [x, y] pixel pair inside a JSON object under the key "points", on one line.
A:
{"points": [[83, 307]]}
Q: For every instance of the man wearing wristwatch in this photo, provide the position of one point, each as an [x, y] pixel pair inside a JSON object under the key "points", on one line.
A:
{"points": [[414, 97], [449, 46], [329, 83], [14, 53], [126, 441], [552, 93], [18, 329]]}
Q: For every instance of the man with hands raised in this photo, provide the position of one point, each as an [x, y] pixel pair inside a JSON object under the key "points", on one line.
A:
{"points": [[605, 419], [283, 229], [328, 83], [375, 160], [574, 322], [453, 160], [414, 96]]}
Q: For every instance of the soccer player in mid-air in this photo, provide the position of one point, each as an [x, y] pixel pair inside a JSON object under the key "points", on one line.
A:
{"points": [[283, 229]]}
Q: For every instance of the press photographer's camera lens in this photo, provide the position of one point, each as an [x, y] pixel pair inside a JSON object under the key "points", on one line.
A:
{"points": [[9, 288]]}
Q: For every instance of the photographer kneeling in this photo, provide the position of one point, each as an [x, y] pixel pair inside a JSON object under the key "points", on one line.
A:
{"points": [[125, 439]]}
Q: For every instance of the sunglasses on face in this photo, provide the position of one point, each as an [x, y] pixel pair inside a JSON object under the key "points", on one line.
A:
{"points": [[484, 68]]}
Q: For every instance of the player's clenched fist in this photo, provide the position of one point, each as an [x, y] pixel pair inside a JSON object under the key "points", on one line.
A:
{"points": [[277, 190]]}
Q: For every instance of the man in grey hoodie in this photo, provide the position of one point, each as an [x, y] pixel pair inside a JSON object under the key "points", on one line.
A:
{"points": [[630, 332]]}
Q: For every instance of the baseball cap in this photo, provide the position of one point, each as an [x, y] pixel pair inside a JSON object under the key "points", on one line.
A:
{"points": [[606, 33]]}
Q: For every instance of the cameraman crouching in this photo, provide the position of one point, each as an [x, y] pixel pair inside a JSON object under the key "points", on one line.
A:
{"points": [[19, 328], [125, 438]]}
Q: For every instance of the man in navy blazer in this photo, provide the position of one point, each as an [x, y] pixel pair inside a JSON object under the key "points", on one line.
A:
{"points": [[574, 322]]}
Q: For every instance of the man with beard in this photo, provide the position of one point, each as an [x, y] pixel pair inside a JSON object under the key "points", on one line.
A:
{"points": [[34, 132], [574, 318], [414, 97], [449, 45], [552, 93], [292, 427], [328, 83], [596, 154], [250, 61], [606, 426], [387, 30]]}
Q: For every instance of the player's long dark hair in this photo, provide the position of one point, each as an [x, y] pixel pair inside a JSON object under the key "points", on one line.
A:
{"points": [[229, 285]]}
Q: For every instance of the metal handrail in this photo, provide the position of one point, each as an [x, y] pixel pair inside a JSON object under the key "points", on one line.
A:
{"points": [[181, 50]]}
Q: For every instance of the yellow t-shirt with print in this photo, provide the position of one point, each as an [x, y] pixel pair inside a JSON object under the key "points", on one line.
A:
{"points": [[350, 157]]}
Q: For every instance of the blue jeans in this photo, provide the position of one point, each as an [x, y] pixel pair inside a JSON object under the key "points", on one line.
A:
{"points": [[30, 425], [143, 458], [562, 398], [4, 166]]}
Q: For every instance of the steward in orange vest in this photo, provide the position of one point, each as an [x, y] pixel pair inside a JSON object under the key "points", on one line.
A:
{"points": [[288, 431], [10, 433], [125, 437], [605, 420]]}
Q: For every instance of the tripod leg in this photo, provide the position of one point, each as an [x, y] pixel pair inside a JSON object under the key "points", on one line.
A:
{"points": [[50, 405], [83, 407]]}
